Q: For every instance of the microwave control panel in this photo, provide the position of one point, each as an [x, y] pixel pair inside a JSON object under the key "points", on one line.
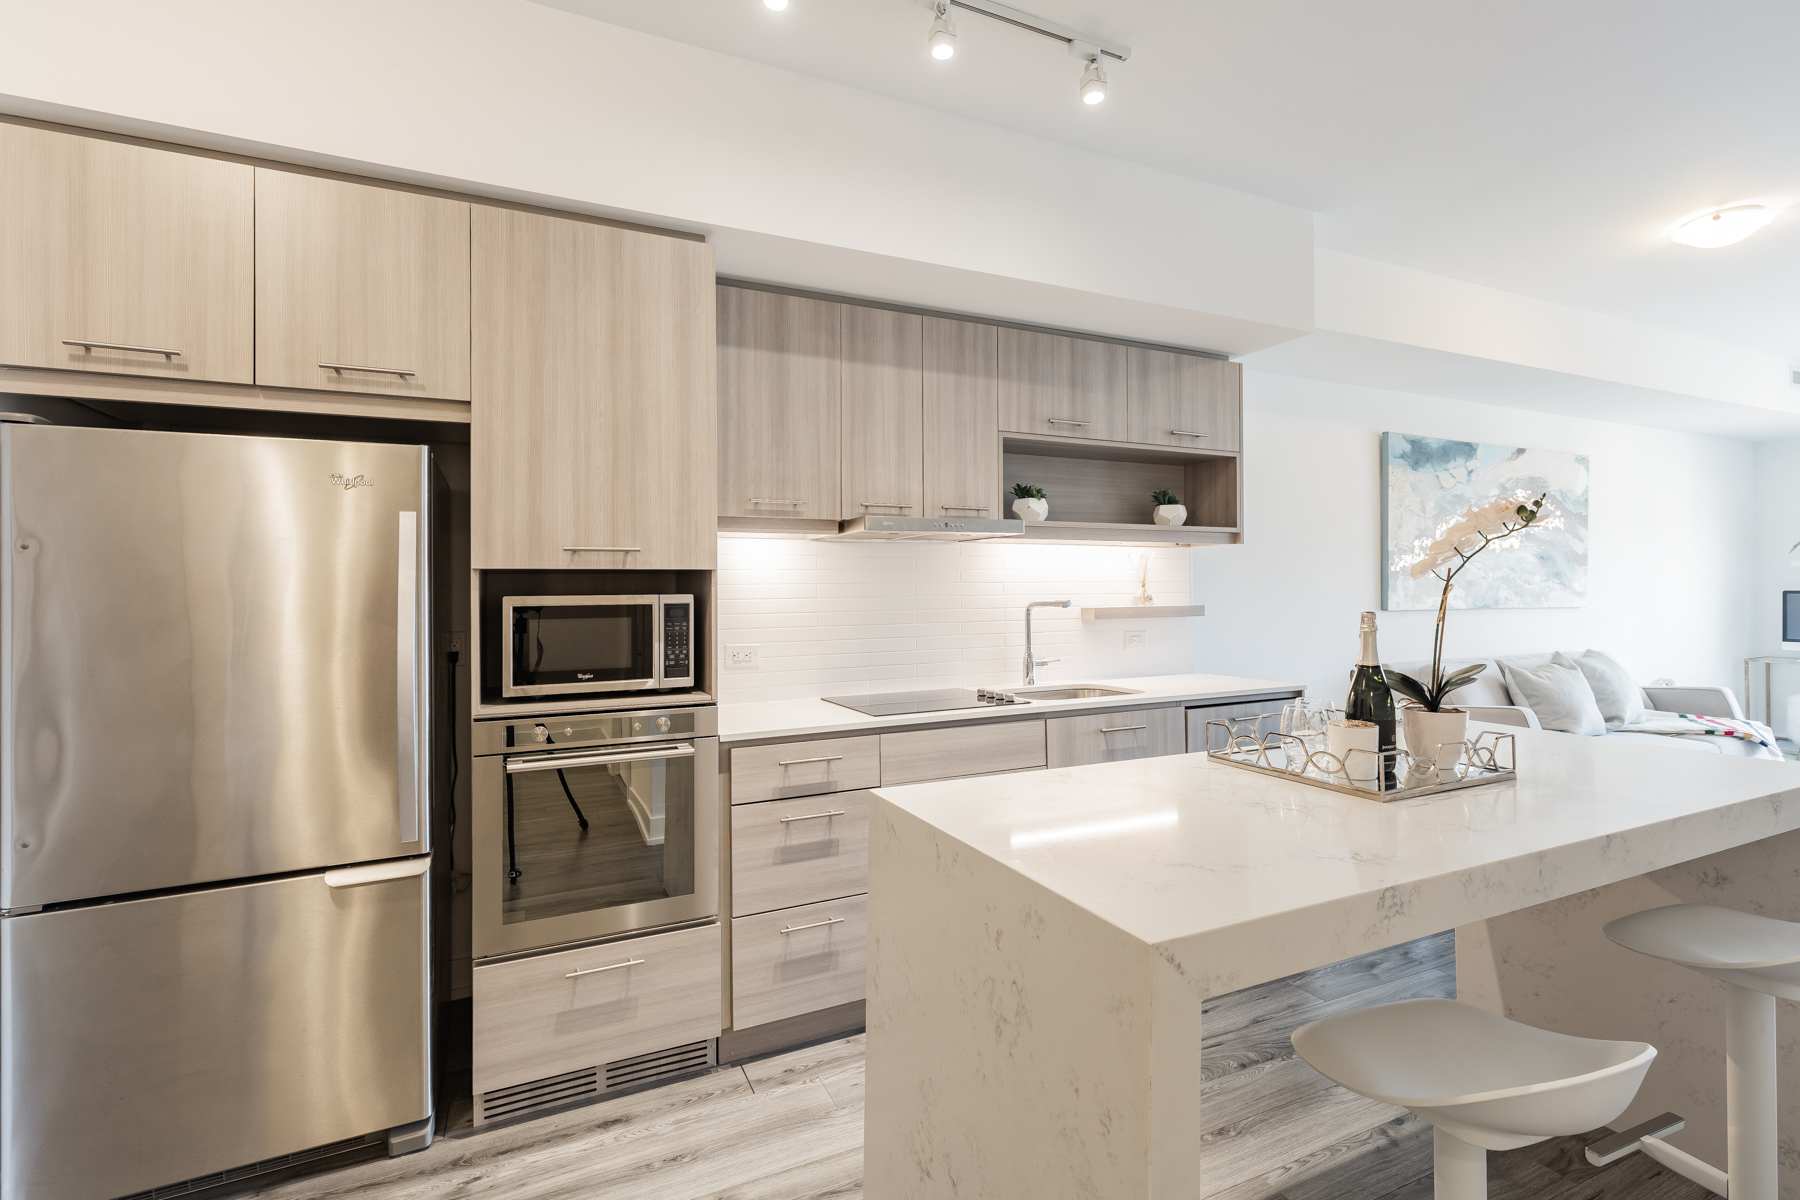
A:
{"points": [[678, 641]]}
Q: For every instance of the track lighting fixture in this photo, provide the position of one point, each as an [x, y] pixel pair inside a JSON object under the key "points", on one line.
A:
{"points": [[1093, 82], [943, 32]]}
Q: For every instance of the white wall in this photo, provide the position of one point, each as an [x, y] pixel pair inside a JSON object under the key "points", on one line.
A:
{"points": [[1777, 569], [1670, 558], [836, 618]]}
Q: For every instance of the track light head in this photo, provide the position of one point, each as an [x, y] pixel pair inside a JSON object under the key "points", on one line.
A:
{"points": [[943, 33], [1093, 82]]}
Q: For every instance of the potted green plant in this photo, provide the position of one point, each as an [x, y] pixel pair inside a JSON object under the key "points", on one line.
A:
{"points": [[1031, 504], [1430, 723], [1169, 509]]}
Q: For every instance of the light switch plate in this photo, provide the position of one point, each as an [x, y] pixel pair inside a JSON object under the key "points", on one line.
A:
{"points": [[742, 658], [1136, 639]]}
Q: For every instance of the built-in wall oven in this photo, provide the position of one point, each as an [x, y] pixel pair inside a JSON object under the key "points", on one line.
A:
{"points": [[592, 825]]}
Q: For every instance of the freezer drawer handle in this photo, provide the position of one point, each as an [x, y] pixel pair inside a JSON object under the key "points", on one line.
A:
{"points": [[559, 762], [813, 925], [794, 762], [836, 812], [406, 868], [630, 962]]}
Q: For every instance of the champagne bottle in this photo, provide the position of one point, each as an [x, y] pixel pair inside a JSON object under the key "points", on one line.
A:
{"points": [[1370, 699]]}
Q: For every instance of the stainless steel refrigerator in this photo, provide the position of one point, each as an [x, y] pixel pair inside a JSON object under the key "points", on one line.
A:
{"points": [[213, 798]]}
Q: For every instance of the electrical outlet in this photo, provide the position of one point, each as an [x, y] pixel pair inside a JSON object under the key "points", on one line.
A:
{"points": [[1136, 639], [455, 641], [742, 658]]}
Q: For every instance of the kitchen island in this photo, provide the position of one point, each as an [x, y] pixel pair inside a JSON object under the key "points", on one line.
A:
{"points": [[1040, 944]]}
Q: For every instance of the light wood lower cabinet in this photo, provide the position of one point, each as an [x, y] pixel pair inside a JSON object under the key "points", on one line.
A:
{"points": [[791, 852], [1115, 736], [989, 749], [804, 768], [553, 1013], [360, 288], [145, 255], [798, 960], [1198, 717]]}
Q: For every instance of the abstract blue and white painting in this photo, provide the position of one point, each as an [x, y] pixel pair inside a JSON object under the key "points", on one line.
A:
{"points": [[1427, 483]]}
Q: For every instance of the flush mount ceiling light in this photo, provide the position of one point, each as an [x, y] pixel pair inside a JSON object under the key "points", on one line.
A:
{"points": [[775, 5], [1089, 48], [942, 40], [1724, 227]]}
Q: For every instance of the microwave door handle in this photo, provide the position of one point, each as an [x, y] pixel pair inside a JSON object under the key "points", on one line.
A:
{"points": [[656, 644], [406, 677], [558, 762]]}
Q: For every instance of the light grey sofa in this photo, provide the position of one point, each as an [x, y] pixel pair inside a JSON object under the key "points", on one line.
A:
{"points": [[1487, 699]]}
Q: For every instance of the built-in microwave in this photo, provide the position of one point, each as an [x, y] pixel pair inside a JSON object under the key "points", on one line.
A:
{"points": [[582, 645]]}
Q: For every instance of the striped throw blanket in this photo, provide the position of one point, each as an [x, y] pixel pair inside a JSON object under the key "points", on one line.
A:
{"points": [[1688, 724]]}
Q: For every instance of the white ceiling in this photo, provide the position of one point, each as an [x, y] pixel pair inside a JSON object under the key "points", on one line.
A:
{"points": [[1539, 147]]}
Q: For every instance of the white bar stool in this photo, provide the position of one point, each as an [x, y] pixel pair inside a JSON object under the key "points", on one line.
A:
{"points": [[1758, 959], [1482, 1081]]}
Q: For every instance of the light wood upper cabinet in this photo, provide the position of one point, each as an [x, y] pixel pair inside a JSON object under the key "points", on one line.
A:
{"points": [[962, 419], [883, 396], [1185, 400], [1062, 386], [592, 413], [360, 289], [779, 400], [146, 250]]}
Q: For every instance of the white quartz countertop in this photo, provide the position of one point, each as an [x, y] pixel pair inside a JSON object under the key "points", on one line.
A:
{"points": [[1241, 877], [808, 718]]}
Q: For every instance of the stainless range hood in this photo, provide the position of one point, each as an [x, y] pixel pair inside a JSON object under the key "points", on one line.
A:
{"points": [[921, 529]]}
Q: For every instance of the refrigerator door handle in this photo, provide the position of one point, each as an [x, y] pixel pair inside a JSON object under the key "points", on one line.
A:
{"points": [[406, 637], [406, 868]]}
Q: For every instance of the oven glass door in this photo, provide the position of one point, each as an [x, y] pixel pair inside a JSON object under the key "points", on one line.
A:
{"points": [[567, 648], [608, 835]]}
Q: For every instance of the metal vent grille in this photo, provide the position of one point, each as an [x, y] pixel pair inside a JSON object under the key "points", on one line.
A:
{"points": [[204, 1183], [522, 1099]]}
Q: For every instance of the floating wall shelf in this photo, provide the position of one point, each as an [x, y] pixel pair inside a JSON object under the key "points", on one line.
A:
{"points": [[1132, 612]]}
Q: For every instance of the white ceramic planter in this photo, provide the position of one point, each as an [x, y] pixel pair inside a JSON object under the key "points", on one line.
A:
{"points": [[1031, 510], [1426, 731], [1170, 514], [1356, 744]]}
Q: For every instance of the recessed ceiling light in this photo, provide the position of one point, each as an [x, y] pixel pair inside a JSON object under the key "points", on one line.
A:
{"points": [[775, 5], [1724, 227], [943, 33], [1093, 82]]}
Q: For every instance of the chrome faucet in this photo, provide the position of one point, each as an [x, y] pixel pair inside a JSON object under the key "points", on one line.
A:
{"points": [[1032, 661]]}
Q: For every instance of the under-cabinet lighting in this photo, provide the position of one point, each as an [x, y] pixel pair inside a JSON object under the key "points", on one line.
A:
{"points": [[1727, 226]]}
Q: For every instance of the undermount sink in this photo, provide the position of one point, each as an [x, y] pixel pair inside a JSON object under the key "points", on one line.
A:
{"points": [[1092, 691]]}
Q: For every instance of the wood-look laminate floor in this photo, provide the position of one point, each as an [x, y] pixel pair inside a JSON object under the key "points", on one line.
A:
{"points": [[789, 1127]]}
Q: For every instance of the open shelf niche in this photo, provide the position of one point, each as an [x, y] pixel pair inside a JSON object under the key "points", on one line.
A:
{"points": [[1100, 491]]}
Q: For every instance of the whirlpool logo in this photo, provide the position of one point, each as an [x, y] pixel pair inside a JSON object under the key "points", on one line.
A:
{"points": [[348, 482]]}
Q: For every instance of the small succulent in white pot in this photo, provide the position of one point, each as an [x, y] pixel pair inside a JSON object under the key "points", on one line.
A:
{"points": [[1030, 504], [1169, 509]]}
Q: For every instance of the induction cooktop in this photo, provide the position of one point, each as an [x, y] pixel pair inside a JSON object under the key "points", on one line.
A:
{"points": [[895, 704]]}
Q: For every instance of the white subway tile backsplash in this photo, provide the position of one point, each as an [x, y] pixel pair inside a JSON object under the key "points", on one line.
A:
{"points": [[838, 617]]}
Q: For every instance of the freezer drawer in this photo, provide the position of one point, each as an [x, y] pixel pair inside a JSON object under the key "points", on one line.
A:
{"points": [[153, 1041]]}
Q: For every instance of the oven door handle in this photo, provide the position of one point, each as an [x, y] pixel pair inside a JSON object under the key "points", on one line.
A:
{"points": [[557, 762]]}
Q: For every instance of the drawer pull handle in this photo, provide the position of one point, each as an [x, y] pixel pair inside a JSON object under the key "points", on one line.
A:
{"points": [[794, 762], [769, 500], [1066, 421], [1124, 728], [602, 549], [836, 812], [630, 962], [118, 346], [964, 507], [1188, 433], [814, 925], [340, 368]]}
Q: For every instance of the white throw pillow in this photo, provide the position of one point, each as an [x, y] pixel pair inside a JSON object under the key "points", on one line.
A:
{"points": [[1558, 693], [1620, 699]]}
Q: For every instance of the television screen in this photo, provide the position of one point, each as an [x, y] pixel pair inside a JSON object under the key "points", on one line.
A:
{"points": [[1790, 616]]}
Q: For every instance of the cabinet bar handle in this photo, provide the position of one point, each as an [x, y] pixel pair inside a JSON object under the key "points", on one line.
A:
{"points": [[766, 500], [794, 762], [1188, 433], [836, 812], [630, 962], [1124, 728], [602, 549], [340, 368], [1066, 421], [882, 504], [964, 507], [117, 346], [814, 925]]}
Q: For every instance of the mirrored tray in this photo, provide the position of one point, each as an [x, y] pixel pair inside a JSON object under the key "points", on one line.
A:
{"points": [[1374, 775]]}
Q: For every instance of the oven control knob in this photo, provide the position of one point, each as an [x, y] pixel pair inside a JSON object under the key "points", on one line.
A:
{"points": [[662, 724], [542, 733], [568, 731]]}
